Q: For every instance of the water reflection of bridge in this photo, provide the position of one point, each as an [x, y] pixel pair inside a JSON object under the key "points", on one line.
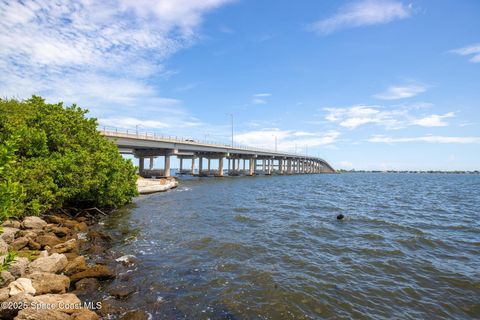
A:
{"points": [[240, 160]]}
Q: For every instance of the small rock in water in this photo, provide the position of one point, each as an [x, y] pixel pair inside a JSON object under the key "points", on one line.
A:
{"points": [[127, 259], [340, 217]]}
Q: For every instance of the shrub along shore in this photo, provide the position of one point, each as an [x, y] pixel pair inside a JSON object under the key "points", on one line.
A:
{"points": [[54, 161]]}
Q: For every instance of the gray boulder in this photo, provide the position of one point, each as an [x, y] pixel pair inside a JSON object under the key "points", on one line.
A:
{"points": [[5, 278], [33, 223], [67, 246], [8, 234], [3, 246], [18, 267], [49, 282], [67, 302], [54, 263], [41, 314], [4, 294], [19, 243], [21, 285]]}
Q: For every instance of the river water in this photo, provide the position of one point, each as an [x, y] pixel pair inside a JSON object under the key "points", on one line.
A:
{"points": [[271, 247]]}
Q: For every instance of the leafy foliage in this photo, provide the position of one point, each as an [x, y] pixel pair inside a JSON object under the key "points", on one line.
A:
{"points": [[12, 193], [7, 261], [53, 156]]}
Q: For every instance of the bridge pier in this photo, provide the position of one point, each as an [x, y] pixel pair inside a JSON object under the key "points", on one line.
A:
{"points": [[192, 169], [200, 166], [167, 166], [141, 165], [220, 167]]}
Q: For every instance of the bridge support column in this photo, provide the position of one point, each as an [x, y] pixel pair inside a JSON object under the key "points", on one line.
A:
{"points": [[263, 166], [251, 170], [181, 165], [270, 165], [220, 167], [167, 166], [193, 166], [280, 166], [208, 166], [200, 166], [141, 165]]}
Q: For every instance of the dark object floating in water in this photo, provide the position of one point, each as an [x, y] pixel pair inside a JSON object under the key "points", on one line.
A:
{"points": [[340, 217]]}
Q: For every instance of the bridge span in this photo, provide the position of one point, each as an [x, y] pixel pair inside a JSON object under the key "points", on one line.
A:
{"points": [[147, 145]]}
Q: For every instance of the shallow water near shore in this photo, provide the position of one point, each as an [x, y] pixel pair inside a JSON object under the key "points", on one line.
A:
{"points": [[271, 247]]}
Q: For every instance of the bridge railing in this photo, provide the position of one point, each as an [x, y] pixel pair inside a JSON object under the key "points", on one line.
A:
{"points": [[155, 136]]}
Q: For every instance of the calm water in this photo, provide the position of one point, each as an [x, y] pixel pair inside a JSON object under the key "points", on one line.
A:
{"points": [[271, 248]]}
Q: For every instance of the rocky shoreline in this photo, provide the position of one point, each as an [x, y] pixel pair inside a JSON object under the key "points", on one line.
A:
{"points": [[59, 267]]}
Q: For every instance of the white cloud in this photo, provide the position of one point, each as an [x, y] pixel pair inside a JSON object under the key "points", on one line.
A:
{"points": [[363, 13], [401, 92], [287, 140], [131, 122], [102, 50], [359, 115], [434, 120], [428, 138], [473, 51], [174, 121], [260, 98]]}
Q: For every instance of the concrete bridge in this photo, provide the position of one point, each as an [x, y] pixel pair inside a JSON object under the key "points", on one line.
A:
{"points": [[240, 160]]}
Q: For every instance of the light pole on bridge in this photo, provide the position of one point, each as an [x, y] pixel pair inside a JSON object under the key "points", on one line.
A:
{"points": [[231, 117]]}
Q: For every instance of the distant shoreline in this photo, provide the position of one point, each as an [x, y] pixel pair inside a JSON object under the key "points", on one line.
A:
{"points": [[409, 171]]}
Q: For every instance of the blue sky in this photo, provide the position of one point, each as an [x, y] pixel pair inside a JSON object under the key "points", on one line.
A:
{"points": [[369, 84]]}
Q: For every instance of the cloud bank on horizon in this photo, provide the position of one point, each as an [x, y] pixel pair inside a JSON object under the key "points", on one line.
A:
{"points": [[361, 78]]}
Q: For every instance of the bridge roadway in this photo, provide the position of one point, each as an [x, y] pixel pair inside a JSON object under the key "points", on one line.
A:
{"points": [[260, 161]]}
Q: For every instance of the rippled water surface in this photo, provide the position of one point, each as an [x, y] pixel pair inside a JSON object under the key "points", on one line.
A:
{"points": [[271, 247]]}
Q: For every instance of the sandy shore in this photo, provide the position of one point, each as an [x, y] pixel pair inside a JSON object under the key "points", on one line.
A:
{"points": [[146, 186]]}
